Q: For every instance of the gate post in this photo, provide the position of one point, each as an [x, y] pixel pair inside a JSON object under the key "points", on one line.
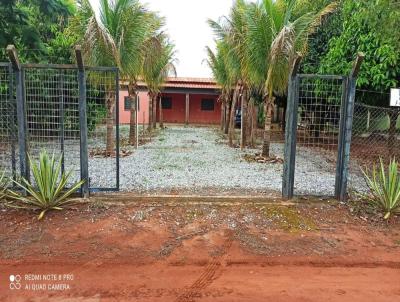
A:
{"points": [[117, 125], [21, 111], [346, 131], [84, 159], [291, 131]]}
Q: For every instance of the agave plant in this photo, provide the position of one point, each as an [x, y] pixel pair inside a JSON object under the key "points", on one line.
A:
{"points": [[48, 190], [384, 187], [3, 185]]}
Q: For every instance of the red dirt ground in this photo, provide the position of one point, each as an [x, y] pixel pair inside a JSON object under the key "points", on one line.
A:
{"points": [[201, 250]]}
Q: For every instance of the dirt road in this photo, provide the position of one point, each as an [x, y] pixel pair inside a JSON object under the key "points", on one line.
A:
{"points": [[226, 251]]}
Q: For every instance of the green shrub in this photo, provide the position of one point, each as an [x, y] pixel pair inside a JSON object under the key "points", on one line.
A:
{"points": [[48, 190], [384, 187]]}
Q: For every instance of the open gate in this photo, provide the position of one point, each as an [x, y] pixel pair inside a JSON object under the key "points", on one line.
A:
{"points": [[318, 133]]}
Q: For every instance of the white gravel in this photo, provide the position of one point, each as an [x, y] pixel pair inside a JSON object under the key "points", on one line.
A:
{"points": [[192, 159], [195, 159]]}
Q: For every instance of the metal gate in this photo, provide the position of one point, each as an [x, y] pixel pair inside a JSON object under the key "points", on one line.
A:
{"points": [[318, 133], [69, 110]]}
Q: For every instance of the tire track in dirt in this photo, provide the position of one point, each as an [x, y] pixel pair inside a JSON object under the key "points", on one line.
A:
{"points": [[209, 274]]}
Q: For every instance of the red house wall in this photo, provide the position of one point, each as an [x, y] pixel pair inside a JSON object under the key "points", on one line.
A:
{"points": [[198, 116], [177, 113], [143, 114]]}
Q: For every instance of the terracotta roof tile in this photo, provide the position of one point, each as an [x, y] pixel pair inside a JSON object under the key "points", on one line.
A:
{"points": [[185, 82]]}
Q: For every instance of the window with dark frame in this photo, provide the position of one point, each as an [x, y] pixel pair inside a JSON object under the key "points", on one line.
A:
{"points": [[207, 104], [127, 104], [166, 103]]}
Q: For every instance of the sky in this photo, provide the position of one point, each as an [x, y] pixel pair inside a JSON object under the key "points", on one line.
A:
{"points": [[187, 26]]}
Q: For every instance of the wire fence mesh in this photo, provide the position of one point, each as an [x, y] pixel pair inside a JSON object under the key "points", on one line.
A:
{"points": [[51, 97], [319, 107], [8, 146], [52, 115], [375, 136]]}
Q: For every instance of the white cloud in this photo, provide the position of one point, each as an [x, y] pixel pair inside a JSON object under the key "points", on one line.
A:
{"points": [[188, 28]]}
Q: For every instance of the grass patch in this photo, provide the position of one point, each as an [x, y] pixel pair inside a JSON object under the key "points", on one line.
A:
{"points": [[289, 219]]}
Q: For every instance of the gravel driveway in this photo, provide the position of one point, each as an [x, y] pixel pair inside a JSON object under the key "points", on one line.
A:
{"points": [[195, 160], [189, 160]]}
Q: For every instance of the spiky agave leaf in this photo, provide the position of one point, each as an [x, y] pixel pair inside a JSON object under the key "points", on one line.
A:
{"points": [[3, 185], [47, 191], [384, 187]]}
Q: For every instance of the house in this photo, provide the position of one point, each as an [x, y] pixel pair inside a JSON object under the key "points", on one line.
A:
{"points": [[184, 101]]}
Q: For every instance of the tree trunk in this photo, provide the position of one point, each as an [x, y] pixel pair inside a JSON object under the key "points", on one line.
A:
{"points": [[150, 126], [392, 133], [222, 114], [133, 119], [155, 111], [227, 115], [231, 131], [253, 122], [267, 127], [248, 119], [110, 105], [161, 113], [243, 123]]}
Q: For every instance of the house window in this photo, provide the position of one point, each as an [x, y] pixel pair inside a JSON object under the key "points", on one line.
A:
{"points": [[166, 103], [127, 103], [207, 105]]}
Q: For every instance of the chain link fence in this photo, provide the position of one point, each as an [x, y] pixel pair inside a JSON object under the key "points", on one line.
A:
{"points": [[375, 136]]}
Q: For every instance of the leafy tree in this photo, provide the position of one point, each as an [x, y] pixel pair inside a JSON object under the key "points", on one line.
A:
{"points": [[318, 44], [363, 31], [33, 25], [380, 70]]}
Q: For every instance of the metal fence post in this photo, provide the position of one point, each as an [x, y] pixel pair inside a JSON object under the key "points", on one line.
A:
{"points": [[13, 126], [21, 111], [62, 117], [117, 125], [345, 139], [342, 127], [84, 158], [291, 131]]}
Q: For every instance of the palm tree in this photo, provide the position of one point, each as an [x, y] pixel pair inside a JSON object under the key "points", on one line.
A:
{"points": [[274, 38], [115, 38], [232, 32], [158, 64], [217, 64], [259, 42], [226, 49]]}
